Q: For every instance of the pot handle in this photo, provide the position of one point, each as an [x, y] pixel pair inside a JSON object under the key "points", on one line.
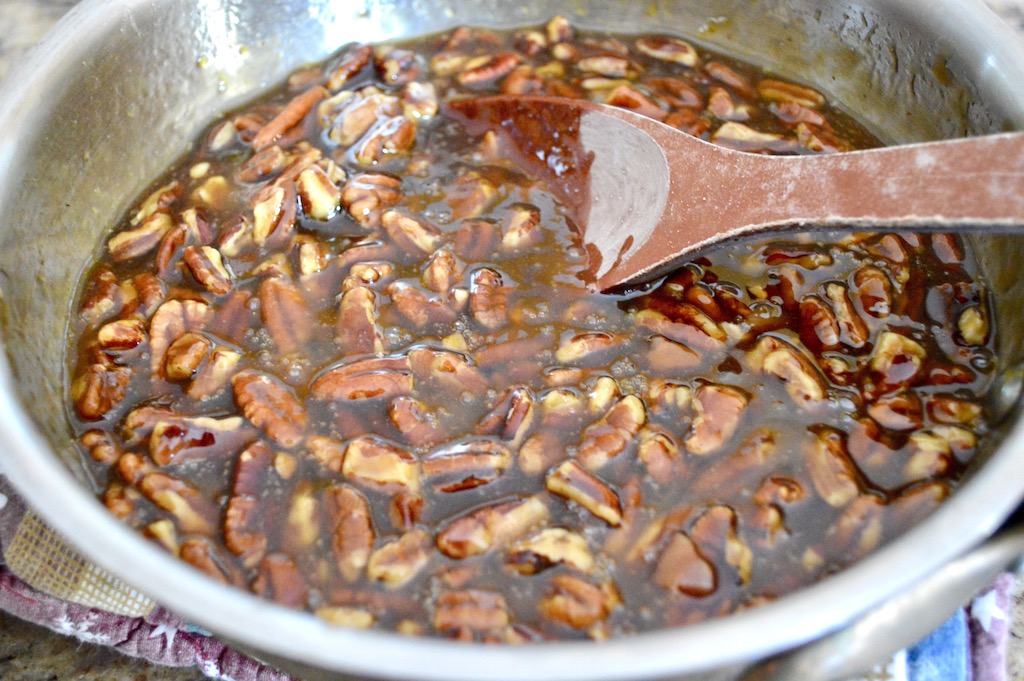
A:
{"points": [[904, 619]]}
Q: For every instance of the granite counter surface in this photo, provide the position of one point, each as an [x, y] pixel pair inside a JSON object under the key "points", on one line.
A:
{"points": [[30, 653]]}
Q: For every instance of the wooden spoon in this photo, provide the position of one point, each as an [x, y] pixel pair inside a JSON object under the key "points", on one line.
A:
{"points": [[645, 196]]}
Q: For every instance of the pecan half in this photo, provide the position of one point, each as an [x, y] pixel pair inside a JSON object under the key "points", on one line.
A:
{"points": [[271, 406], [369, 379], [350, 528], [465, 465], [285, 313]]}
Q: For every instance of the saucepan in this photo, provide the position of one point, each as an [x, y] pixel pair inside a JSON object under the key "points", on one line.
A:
{"points": [[119, 88]]}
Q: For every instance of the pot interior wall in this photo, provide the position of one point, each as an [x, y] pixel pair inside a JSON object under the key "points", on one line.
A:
{"points": [[122, 101]]}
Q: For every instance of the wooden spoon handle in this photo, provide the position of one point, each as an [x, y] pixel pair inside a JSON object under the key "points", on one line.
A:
{"points": [[975, 183], [970, 184]]}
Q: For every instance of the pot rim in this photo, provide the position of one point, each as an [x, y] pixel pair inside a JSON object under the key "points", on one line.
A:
{"points": [[970, 516]]}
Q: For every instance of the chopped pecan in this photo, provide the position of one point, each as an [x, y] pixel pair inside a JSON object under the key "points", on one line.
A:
{"points": [[716, 533], [203, 554], [351, 62], [485, 70], [398, 561], [729, 76], [140, 240], [443, 272], [511, 417], [950, 410], [415, 236], [101, 445], [271, 406], [608, 438], [549, 547], [831, 469], [819, 329], [488, 299], [365, 196], [419, 100], [589, 349], [415, 422], [469, 195], [897, 359], [470, 609], [185, 355], [374, 462], [682, 568], [668, 49], [539, 452], [522, 228], [213, 193], [213, 375], [98, 390], [900, 411], [719, 409], [859, 529], [665, 356], [853, 332], [303, 519], [290, 116], [659, 453], [184, 438], [722, 106], [874, 290], [263, 164], [357, 328], [397, 66], [158, 201], [420, 310], [578, 603], [491, 526], [279, 579], [448, 370], [574, 483], [801, 377], [122, 334], [391, 137], [972, 324], [934, 451], [274, 215], [192, 511], [105, 297], [328, 452], [171, 321], [319, 194], [781, 91]]}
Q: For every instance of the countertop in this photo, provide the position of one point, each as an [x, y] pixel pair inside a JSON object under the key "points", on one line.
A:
{"points": [[30, 653]]}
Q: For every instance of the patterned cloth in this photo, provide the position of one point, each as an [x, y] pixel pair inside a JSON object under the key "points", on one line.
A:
{"points": [[44, 581]]}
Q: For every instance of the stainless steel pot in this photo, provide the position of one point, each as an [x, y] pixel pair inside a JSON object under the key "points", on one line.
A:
{"points": [[117, 90]]}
